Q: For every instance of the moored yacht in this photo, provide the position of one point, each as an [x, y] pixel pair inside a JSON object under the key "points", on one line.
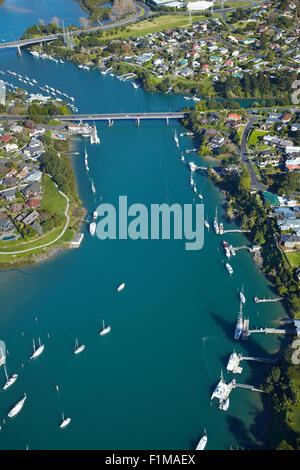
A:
{"points": [[239, 325], [65, 422], [226, 248], [9, 380], [202, 443], [104, 330], [121, 287], [242, 296], [206, 224], [78, 349], [92, 228], [17, 408], [216, 225], [221, 228], [229, 268], [37, 352], [232, 361], [95, 215], [176, 139]]}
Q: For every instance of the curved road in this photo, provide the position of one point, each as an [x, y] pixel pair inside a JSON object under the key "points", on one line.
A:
{"points": [[49, 243]]}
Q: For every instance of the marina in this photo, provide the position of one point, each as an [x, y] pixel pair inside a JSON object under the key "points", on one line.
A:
{"points": [[146, 317]]}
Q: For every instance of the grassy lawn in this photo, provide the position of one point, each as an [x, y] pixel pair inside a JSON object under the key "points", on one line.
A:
{"points": [[53, 202], [153, 26], [294, 258], [255, 137]]}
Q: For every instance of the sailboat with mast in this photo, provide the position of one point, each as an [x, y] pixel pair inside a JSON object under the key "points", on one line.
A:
{"points": [[86, 160], [78, 349], [176, 139], [65, 422], [242, 295], [93, 187], [104, 330], [239, 325], [37, 352], [202, 443], [216, 225], [9, 380], [2, 358]]}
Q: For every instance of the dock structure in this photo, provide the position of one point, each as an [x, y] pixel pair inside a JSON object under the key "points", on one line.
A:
{"points": [[239, 357], [77, 239], [248, 387], [245, 332], [253, 249], [273, 299], [236, 231]]}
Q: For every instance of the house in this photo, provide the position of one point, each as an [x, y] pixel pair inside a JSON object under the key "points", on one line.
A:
{"points": [[286, 117], [6, 225], [30, 218], [10, 147], [15, 206], [23, 173], [271, 198], [32, 203], [290, 241], [289, 224], [5, 138], [234, 117], [293, 164], [32, 190], [295, 127], [9, 195], [11, 181], [33, 176]]}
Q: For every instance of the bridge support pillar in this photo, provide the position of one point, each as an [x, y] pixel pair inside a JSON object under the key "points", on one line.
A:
{"points": [[19, 53]]}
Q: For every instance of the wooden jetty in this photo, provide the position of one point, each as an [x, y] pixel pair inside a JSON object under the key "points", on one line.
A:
{"points": [[273, 299]]}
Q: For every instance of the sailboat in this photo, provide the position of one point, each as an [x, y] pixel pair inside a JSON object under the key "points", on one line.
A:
{"points": [[78, 349], [93, 187], [37, 352], [202, 443], [17, 408], [64, 422], [206, 224], [242, 296], [216, 225], [9, 381], [239, 325], [176, 139], [86, 160], [104, 330], [121, 287]]}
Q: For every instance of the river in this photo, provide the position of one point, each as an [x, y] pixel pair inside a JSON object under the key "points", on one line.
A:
{"points": [[147, 384]]}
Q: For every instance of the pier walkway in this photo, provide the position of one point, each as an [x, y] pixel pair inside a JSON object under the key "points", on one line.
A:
{"points": [[236, 231], [274, 299]]}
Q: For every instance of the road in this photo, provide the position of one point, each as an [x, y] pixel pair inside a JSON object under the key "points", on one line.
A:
{"points": [[138, 15], [53, 241]]}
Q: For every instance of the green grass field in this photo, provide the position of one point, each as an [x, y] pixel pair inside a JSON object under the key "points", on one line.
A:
{"points": [[53, 202], [255, 137], [294, 258], [152, 26]]}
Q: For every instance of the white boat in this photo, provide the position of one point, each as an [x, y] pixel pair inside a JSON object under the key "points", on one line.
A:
{"points": [[93, 187], [86, 160], [206, 224], [221, 228], [221, 390], [191, 181], [239, 325], [232, 362], [9, 381], [229, 268], [78, 349], [17, 408], [176, 139], [224, 404], [92, 228], [202, 443], [104, 330], [94, 139], [216, 225], [242, 296], [226, 249], [121, 287], [37, 352], [95, 215], [200, 196], [65, 422], [232, 250], [182, 158]]}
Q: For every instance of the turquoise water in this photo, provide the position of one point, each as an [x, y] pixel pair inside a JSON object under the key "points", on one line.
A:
{"points": [[147, 384]]}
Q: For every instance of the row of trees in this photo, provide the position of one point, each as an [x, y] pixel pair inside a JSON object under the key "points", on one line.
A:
{"points": [[59, 167]]}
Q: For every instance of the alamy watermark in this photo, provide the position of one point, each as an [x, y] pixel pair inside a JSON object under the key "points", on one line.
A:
{"points": [[137, 222]]}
